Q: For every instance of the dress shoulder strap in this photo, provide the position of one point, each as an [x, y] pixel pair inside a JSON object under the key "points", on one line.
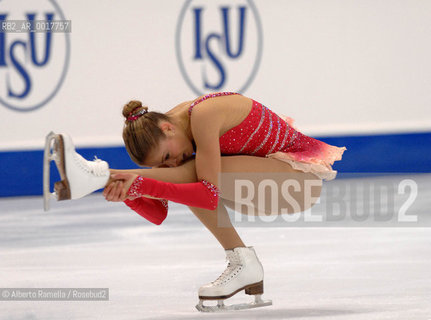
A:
{"points": [[211, 95]]}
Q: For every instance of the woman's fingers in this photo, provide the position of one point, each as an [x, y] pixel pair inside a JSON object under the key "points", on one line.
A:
{"points": [[117, 189], [107, 190], [113, 191], [124, 194], [126, 177], [118, 192]]}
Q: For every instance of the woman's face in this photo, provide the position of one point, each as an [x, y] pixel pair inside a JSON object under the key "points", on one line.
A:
{"points": [[172, 151]]}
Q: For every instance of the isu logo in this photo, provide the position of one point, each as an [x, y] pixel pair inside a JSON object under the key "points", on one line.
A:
{"points": [[33, 65], [218, 44]]}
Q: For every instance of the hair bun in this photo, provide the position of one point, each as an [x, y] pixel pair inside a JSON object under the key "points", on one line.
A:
{"points": [[133, 106]]}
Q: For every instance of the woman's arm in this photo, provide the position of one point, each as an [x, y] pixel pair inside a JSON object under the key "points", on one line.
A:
{"points": [[180, 174], [205, 125]]}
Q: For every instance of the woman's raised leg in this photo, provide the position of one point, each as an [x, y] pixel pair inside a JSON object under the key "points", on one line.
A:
{"points": [[304, 188], [181, 174], [273, 186], [218, 222]]}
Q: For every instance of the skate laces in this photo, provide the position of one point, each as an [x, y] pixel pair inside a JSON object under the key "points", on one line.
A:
{"points": [[96, 167], [233, 267]]}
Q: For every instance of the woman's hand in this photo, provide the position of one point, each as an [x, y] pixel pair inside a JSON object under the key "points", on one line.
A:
{"points": [[116, 191]]}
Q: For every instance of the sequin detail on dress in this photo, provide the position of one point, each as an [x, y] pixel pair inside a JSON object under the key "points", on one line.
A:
{"points": [[215, 192], [259, 135], [164, 203], [211, 95], [134, 188]]}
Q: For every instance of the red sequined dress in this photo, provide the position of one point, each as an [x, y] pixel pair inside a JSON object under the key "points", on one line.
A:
{"points": [[263, 133]]}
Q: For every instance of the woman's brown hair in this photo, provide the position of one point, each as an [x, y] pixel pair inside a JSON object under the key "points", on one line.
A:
{"points": [[141, 132]]}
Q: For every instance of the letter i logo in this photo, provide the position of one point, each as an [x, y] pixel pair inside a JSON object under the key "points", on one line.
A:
{"points": [[218, 44], [33, 65]]}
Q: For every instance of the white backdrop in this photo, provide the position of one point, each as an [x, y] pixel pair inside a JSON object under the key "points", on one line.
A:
{"points": [[336, 66]]}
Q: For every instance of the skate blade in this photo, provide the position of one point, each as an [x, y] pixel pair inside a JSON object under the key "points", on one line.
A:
{"points": [[54, 151], [221, 307]]}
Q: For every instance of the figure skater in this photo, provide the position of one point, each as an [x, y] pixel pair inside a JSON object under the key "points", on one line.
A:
{"points": [[187, 148]]}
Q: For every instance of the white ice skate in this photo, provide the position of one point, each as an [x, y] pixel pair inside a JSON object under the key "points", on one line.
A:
{"points": [[79, 177], [244, 272]]}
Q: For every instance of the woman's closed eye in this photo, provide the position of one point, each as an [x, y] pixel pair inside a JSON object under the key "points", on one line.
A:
{"points": [[166, 158]]}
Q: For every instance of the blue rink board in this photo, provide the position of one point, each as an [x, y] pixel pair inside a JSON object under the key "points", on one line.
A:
{"points": [[21, 171]]}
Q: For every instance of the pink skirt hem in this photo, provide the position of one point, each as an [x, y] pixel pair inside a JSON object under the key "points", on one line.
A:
{"points": [[317, 160], [319, 167]]}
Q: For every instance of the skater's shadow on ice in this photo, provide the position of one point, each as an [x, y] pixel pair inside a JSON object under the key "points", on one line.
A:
{"points": [[307, 312], [268, 313]]}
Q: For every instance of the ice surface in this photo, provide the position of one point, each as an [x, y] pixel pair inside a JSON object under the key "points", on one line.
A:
{"points": [[154, 272]]}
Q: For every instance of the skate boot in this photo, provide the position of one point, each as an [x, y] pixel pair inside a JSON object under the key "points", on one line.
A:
{"points": [[79, 177], [244, 272]]}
